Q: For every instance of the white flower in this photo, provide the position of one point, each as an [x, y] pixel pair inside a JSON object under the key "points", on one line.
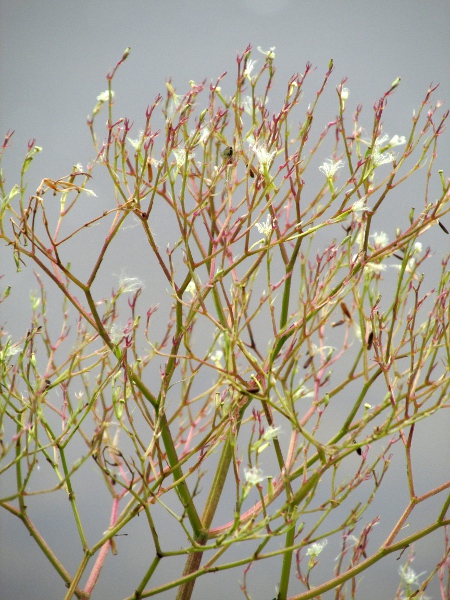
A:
{"points": [[302, 392], [409, 576], [417, 248], [270, 433], [397, 141], [330, 167], [204, 135], [137, 144], [249, 67], [380, 239], [381, 140], [191, 289], [116, 333], [216, 357], [269, 54], [200, 136], [265, 228], [175, 101], [129, 284], [357, 330], [248, 105], [253, 476], [359, 207], [372, 267], [292, 88], [411, 265], [101, 99], [316, 548], [180, 157], [104, 96], [264, 156], [10, 349], [344, 96], [381, 158]]}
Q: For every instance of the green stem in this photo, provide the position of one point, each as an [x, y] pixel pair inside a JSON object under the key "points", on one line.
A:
{"points": [[194, 560], [287, 563]]}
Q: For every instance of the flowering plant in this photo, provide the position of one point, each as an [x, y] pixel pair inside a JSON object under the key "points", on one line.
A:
{"points": [[274, 365]]}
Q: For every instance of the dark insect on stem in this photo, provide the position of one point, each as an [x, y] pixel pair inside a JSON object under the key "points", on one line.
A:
{"points": [[358, 450], [443, 227], [338, 323], [308, 362], [346, 311], [227, 154]]}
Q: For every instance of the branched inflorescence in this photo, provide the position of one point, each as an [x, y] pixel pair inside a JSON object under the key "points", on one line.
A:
{"points": [[283, 352]]}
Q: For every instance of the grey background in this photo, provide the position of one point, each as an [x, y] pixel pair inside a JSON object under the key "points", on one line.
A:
{"points": [[54, 58]]}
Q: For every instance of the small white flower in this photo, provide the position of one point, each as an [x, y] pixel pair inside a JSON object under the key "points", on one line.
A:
{"points": [[174, 103], [253, 476], [380, 239], [204, 135], [270, 433], [129, 284], [265, 228], [302, 392], [101, 99], [269, 54], [90, 192], [193, 285], [249, 67], [116, 333], [330, 166], [344, 96], [372, 267], [381, 140], [411, 265], [191, 289], [409, 576], [104, 96], [10, 349], [264, 156], [382, 158], [199, 137], [216, 357], [137, 144], [417, 248], [248, 105], [357, 330], [397, 141], [292, 88], [180, 157], [316, 548], [359, 207]]}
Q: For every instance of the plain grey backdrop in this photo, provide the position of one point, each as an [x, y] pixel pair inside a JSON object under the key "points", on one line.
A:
{"points": [[54, 58]]}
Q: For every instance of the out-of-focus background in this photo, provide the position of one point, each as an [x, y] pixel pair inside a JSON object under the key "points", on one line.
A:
{"points": [[54, 58]]}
